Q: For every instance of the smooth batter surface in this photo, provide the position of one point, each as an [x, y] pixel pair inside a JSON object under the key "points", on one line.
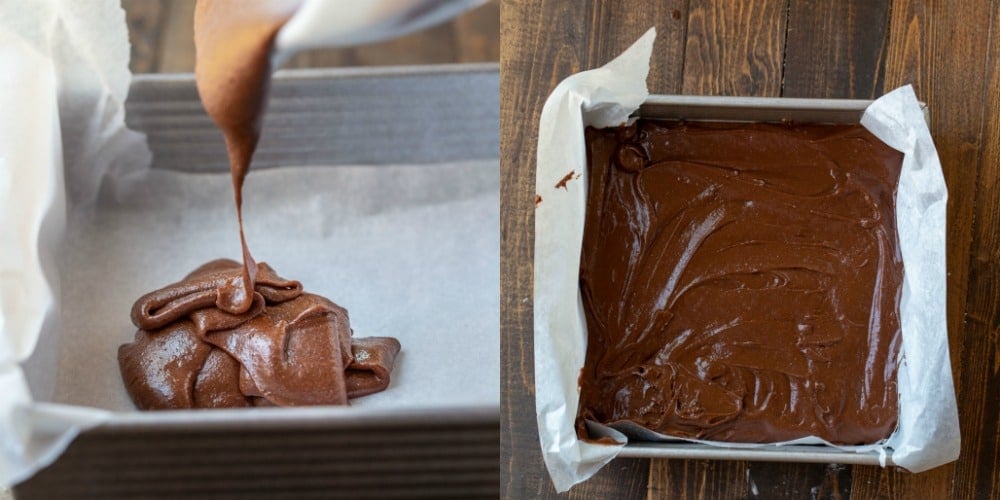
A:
{"points": [[741, 282]]}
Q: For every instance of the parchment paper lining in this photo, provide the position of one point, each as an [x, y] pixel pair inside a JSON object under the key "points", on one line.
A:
{"points": [[928, 433]]}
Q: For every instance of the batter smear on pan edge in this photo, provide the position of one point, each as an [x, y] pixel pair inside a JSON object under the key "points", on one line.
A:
{"points": [[231, 334], [741, 282]]}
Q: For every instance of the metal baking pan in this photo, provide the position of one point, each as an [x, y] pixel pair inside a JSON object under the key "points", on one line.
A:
{"points": [[752, 109], [315, 117]]}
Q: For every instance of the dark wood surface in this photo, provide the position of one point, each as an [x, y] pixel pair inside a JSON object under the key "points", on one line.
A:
{"points": [[834, 49]]}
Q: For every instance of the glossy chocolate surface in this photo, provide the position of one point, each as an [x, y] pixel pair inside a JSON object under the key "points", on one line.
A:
{"points": [[290, 348], [741, 282], [230, 334], [233, 41]]}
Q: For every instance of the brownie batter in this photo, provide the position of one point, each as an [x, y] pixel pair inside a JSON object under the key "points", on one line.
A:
{"points": [[232, 335], [289, 348], [741, 282], [233, 40]]}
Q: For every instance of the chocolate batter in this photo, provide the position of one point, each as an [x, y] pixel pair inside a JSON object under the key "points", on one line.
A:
{"points": [[741, 282], [290, 348], [232, 335], [233, 41]]}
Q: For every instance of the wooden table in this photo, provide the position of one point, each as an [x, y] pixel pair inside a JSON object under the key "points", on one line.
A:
{"points": [[833, 49]]}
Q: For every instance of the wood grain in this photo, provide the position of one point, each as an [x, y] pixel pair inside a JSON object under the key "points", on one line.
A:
{"points": [[735, 48], [978, 468], [615, 29], [843, 63], [693, 479], [793, 481], [942, 52], [519, 435], [853, 49], [926, 41], [538, 48], [542, 43]]}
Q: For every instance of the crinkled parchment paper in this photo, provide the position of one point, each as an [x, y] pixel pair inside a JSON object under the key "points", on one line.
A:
{"points": [[412, 251], [64, 68], [927, 435]]}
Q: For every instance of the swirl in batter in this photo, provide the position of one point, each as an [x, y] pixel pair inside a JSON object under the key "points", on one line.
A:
{"points": [[741, 282]]}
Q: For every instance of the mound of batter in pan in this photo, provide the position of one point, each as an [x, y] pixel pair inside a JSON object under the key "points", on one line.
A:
{"points": [[196, 349], [741, 282]]}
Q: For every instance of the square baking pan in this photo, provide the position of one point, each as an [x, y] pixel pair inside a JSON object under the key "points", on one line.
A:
{"points": [[752, 109], [355, 117]]}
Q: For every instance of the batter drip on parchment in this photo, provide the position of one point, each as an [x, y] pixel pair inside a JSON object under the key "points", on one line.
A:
{"points": [[235, 334]]}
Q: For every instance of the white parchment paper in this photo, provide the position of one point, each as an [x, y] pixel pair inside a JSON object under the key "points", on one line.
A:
{"points": [[927, 435], [64, 71], [412, 251]]}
